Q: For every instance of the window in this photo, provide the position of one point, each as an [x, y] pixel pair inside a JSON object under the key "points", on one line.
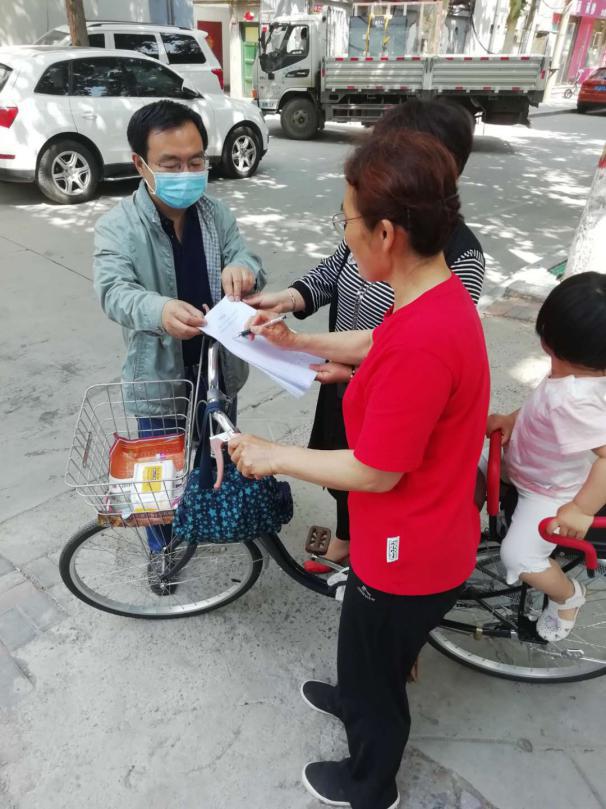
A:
{"points": [[96, 40], [182, 49], [298, 41], [144, 43], [54, 80], [106, 76], [4, 74], [155, 81]]}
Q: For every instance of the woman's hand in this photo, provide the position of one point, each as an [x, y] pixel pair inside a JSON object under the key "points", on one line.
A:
{"points": [[279, 334], [253, 457], [504, 423], [328, 373], [571, 521], [287, 300]]}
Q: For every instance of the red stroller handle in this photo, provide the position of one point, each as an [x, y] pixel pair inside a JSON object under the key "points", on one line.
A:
{"points": [[493, 474], [591, 557]]}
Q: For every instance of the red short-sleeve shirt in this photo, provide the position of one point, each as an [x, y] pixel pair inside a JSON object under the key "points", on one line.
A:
{"points": [[418, 405]]}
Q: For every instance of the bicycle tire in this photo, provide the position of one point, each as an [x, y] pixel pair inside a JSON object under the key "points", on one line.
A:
{"points": [[150, 606], [473, 653]]}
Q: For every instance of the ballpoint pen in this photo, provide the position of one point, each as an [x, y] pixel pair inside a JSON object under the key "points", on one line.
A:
{"points": [[275, 320]]}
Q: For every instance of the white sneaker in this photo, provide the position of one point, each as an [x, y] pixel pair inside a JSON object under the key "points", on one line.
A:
{"points": [[551, 626]]}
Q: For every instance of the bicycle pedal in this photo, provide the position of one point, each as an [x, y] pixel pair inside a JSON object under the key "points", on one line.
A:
{"points": [[318, 540]]}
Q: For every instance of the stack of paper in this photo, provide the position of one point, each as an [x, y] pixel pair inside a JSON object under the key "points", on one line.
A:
{"points": [[290, 369]]}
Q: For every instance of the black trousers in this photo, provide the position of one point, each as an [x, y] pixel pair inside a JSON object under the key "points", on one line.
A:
{"points": [[380, 637]]}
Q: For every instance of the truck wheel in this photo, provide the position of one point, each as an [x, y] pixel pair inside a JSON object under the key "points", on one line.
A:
{"points": [[300, 119], [241, 153], [68, 172]]}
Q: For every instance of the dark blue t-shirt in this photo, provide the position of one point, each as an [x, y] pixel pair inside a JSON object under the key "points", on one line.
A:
{"points": [[191, 272]]}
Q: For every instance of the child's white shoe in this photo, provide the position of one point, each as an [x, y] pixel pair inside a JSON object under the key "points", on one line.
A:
{"points": [[551, 626]]}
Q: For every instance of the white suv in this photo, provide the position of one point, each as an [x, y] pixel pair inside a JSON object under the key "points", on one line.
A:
{"points": [[64, 114], [186, 50]]}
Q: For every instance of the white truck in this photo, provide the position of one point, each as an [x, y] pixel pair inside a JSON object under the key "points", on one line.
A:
{"points": [[305, 72]]}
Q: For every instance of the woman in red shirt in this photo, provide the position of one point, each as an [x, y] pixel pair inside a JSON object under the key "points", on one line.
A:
{"points": [[414, 414]]}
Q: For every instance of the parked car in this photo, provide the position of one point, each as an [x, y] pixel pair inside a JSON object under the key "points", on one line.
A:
{"points": [[593, 91], [64, 114], [186, 50]]}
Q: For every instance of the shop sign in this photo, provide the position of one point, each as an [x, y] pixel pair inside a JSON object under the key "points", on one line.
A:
{"points": [[590, 8]]}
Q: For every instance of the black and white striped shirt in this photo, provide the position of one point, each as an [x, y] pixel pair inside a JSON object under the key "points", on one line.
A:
{"points": [[362, 305]]}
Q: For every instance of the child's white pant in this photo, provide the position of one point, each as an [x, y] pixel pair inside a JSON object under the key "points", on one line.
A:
{"points": [[524, 550]]}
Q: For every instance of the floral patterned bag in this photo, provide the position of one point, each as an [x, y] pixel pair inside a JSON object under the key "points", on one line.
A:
{"points": [[239, 511]]}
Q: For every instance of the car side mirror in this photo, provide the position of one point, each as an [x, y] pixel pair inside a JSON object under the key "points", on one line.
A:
{"points": [[189, 93], [271, 76]]}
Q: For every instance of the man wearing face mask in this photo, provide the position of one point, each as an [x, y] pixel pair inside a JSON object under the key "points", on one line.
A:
{"points": [[165, 254]]}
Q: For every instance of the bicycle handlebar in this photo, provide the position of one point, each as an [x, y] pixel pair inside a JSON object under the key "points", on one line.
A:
{"points": [[591, 557]]}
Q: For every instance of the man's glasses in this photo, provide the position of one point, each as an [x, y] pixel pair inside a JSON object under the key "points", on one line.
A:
{"points": [[339, 222], [195, 164]]}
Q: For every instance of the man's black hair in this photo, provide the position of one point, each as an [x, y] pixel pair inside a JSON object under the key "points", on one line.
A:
{"points": [[572, 320], [160, 115], [450, 123]]}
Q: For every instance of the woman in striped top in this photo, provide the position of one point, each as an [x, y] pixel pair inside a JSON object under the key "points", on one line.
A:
{"points": [[358, 304]]}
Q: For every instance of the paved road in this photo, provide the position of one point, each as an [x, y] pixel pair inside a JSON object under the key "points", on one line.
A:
{"points": [[99, 711]]}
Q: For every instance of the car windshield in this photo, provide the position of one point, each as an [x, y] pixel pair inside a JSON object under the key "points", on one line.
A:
{"points": [[599, 74], [54, 37], [5, 72]]}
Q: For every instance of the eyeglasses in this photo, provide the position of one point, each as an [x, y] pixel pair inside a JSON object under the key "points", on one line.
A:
{"points": [[339, 222], [195, 164]]}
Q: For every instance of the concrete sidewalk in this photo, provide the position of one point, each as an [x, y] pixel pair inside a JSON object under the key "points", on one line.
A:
{"points": [[101, 711]]}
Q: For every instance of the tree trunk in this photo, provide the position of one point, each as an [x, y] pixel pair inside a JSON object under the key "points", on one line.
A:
{"points": [[77, 22], [587, 251]]}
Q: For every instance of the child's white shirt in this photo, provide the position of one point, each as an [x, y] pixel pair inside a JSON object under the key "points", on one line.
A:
{"points": [[563, 420]]}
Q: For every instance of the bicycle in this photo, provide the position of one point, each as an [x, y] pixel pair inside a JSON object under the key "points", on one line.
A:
{"points": [[573, 89], [491, 628]]}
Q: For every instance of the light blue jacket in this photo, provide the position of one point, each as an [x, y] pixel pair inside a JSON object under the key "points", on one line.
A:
{"points": [[134, 277]]}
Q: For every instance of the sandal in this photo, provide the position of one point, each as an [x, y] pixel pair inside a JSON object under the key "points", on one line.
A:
{"points": [[551, 626], [313, 566]]}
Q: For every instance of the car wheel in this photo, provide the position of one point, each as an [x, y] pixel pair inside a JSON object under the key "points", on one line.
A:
{"points": [[68, 172], [241, 153], [299, 119], [582, 108]]}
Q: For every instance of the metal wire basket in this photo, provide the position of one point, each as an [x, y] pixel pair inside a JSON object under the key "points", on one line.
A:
{"points": [[113, 422]]}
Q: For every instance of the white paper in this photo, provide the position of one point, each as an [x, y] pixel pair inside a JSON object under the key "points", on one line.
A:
{"points": [[289, 369]]}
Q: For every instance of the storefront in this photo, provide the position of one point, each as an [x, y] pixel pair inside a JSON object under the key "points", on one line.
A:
{"points": [[233, 33], [587, 35]]}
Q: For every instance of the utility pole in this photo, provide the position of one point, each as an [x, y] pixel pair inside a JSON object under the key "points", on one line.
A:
{"points": [[587, 251], [557, 50], [77, 22]]}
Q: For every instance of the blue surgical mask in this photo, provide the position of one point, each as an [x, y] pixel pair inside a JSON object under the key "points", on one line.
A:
{"points": [[178, 189]]}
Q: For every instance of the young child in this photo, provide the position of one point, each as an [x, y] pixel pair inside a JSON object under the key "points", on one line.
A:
{"points": [[555, 447]]}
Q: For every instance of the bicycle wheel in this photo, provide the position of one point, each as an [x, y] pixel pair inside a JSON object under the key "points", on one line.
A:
{"points": [[581, 656], [107, 569]]}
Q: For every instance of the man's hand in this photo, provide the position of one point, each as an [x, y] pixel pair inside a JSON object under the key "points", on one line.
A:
{"points": [[327, 373], [498, 421], [571, 521], [237, 281], [252, 456], [182, 320]]}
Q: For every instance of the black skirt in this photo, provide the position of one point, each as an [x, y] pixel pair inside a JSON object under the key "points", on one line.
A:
{"points": [[328, 432]]}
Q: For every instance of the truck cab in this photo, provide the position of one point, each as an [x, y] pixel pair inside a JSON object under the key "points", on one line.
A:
{"points": [[287, 73]]}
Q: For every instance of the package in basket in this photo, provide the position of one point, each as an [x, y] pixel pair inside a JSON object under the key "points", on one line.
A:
{"points": [[146, 474]]}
